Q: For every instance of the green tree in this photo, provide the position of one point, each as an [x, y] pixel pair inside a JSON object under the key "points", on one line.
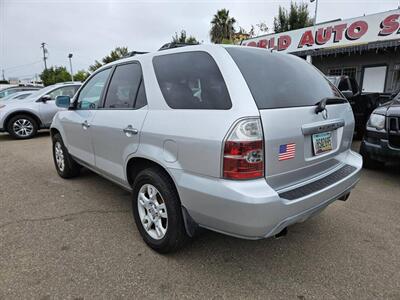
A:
{"points": [[81, 75], [297, 17], [222, 26], [115, 54], [183, 38], [55, 74]]}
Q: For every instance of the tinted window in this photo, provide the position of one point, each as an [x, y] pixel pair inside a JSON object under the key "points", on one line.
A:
{"points": [[344, 85], [141, 97], [124, 86], [89, 96], [191, 80], [354, 85], [281, 80]]}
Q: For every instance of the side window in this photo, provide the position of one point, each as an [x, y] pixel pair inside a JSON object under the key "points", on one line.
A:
{"points": [[191, 80], [141, 99], [124, 86], [63, 91], [344, 85], [354, 85], [89, 96]]}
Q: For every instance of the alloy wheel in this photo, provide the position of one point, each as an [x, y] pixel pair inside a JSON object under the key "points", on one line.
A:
{"points": [[23, 127], [152, 211], [59, 155]]}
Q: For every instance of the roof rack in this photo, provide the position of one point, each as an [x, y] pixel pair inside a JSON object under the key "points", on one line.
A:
{"points": [[133, 53], [175, 45]]}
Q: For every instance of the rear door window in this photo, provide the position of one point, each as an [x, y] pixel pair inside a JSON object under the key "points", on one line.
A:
{"points": [[191, 80], [281, 80], [124, 85]]}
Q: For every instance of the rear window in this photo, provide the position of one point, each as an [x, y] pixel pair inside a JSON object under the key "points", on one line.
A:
{"points": [[191, 80], [281, 80]]}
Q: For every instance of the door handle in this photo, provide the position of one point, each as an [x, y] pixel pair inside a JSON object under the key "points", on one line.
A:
{"points": [[129, 130], [85, 125]]}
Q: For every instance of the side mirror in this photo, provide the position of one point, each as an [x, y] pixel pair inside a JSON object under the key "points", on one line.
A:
{"points": [[63, 101], [348, 94], [45, 98]]}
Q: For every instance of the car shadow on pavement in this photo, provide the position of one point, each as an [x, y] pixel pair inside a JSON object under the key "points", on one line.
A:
{"points": [[4, 137]]}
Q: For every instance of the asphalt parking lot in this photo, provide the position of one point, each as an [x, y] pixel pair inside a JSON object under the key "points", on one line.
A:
{"points": [[76, 239]]}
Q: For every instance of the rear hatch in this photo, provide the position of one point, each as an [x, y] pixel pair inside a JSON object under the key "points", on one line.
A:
{"points": [[301, 144]]}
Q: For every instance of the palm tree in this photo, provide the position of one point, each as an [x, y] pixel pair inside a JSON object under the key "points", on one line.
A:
{"points": [[222, 26]]}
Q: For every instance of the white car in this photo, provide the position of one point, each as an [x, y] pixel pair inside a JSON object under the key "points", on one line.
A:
{"points": [[23, 118]]}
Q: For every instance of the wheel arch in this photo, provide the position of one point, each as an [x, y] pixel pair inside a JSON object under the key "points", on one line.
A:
{"points": [[54, 131], [22, 112], [136, 164]]}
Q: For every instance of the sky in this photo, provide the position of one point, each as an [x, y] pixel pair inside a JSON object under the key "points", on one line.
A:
{"points": [[90, 29]]}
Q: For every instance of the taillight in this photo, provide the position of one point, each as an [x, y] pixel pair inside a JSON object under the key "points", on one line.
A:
{"points": [[244, 151]]}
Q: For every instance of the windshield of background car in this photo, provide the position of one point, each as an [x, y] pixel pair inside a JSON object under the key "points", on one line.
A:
{"points": [[281, 80]]}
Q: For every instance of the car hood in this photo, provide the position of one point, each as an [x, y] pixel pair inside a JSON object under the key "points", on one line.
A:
{"points": [[17, 103], [391, 108]]}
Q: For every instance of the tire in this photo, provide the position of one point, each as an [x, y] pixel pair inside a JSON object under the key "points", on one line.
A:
{"points": [[65, 165], [368, 162], [169, 234], [22, 127]]}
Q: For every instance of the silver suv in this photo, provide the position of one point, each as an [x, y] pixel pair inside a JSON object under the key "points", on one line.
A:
{"points": [[22, 118], [237, 140]]}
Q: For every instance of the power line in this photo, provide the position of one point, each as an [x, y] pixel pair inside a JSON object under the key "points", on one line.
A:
{"points": [[20, 66]]}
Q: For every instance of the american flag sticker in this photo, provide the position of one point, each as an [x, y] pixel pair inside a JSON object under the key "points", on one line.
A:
{"points": [[287, 151]]}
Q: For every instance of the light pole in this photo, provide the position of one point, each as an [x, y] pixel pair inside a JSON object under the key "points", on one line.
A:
{"points": [[316, 10], [70, 65]]}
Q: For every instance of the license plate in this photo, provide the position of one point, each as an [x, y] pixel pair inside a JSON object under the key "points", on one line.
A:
{"points": [[322, 142]]}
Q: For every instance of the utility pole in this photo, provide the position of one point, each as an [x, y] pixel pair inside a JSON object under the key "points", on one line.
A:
{"points": [[70, 65], [316, 10], [309, 57], [43, 46], [2, 72]]}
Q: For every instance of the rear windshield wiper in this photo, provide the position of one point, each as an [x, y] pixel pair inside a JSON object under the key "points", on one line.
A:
{"points": [[328, 100]]}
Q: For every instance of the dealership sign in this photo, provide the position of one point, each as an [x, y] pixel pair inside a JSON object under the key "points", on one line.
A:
{"points": [[362, 30]]}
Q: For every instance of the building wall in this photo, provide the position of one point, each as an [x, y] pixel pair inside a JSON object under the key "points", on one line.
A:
{"points": [[388, 57]]}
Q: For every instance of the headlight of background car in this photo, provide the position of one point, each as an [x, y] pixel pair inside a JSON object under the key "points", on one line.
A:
{"points": [[377, 121]]}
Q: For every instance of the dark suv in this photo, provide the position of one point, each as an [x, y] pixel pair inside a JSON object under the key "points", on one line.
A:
{"points": [[381, 142]]}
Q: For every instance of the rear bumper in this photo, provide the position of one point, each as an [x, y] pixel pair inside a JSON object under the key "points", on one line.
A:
{"points": [[252, 209]]}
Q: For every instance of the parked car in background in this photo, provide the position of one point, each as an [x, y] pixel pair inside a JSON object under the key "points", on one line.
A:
{"points": [[205, 137], [362, 103], [23, 118], [15, 89], [17, 96], [381, 142]]}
